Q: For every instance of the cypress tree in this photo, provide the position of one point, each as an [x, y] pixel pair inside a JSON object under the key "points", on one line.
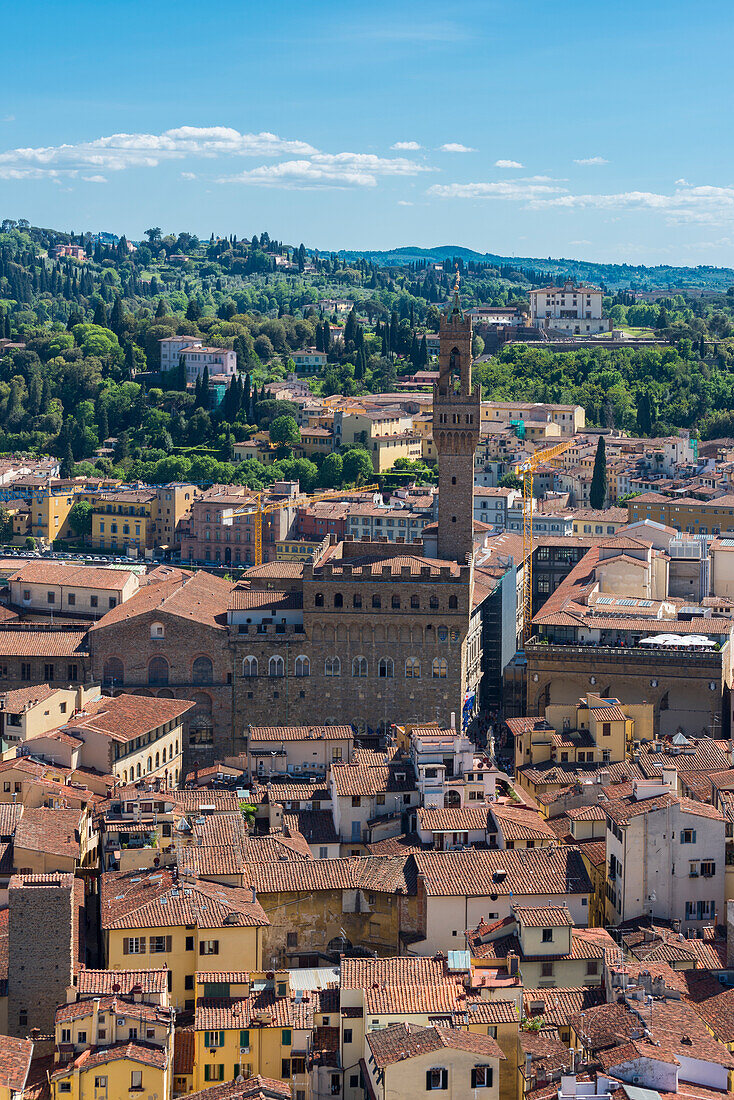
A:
{"points": [[67, 461], [598, 490], [100, 315]]}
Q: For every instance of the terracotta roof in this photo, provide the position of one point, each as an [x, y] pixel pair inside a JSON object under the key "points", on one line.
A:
{"points": [[366, 780], [56, 832], [586, 813], [15, 1062], [419, 985], [316, 826], [14, 702], [400, 1041], [476, 873], [10, 815], [624, 809], [125, 717], [147, 900], [250, 599], [199, 597], [298, 733], [74, 576], [277, 792], [184, 1045], [521, 823], [559, 1004], [119, 1006], [100, 983], [129, 1052], [213, 1014], [254, 1088], [381, 874], [543, 916], [401, 845], [46, 642]]}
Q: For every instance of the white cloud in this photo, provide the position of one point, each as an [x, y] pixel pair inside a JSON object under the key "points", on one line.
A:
{"points": [[95, 179], [705, 205], [119, 151], [328, 170], [188, 175], [515, 189], [8, 118], [404, 202], [507, 164], [592, 160], [456, 147], [406, 146]]}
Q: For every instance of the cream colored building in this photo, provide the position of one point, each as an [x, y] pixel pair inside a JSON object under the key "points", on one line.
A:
{"points": [[71, 589], [407, 1060], [27, 713], [569, 309], [297, 750]]}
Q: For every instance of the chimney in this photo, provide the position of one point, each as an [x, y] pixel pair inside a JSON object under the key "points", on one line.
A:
{"points": [[254, 896]]}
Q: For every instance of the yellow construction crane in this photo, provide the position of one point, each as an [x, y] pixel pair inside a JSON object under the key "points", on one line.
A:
{"points": [[261, 509], [525, 470]]}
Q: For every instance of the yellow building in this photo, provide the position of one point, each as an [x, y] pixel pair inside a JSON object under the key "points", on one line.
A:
{"points": [[248, 1024], [314, 441], [107, 1021], [50, 840], [154, 919], [592, 731], [139, 519], [121, 1070], [50, 514]]}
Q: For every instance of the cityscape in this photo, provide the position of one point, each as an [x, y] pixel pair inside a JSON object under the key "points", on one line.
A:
{"points": [[366, 603]]}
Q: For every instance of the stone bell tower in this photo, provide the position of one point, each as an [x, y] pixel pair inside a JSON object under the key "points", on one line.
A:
{"points": [[456, 417]]}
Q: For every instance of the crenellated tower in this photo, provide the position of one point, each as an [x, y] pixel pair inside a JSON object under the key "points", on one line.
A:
{"points": [[456, 418]]}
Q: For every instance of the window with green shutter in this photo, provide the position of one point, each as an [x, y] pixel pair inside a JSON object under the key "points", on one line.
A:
{"points": [[286, 1036], [244, 1039], [213, 1038]]}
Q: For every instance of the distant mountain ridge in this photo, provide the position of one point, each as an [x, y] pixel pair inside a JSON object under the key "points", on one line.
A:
{"points": [[612, 275]]}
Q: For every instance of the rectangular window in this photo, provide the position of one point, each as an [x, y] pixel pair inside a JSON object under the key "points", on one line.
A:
{"points": [[245, 1040], [213, 1039], [50, 597], [213, 1073], [347, 1034], [209, 947], [481, 1077], [437, 1079], [94, 601], [159, 944], [48, 673], [286, 1037], [66, 1035], [546, 970], [25, 671], [688, 836], [547, 935], [136, 1079], [133, 945], [592, 966], [71, 599], [100, 1082]]}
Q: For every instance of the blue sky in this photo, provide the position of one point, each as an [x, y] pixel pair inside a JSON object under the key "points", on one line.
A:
{"points": [[524, 127]]}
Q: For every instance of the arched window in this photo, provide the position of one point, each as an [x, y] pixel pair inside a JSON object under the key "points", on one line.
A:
{"points": [[158, 670], [415, 602], [376, 601], [332, 666], [357, 599], [359, 666], [338, 600], [157, 630], [164, 756], [302, 666], [396, 603], [318, 599], [138, 771], [149, 765], [433, 603], [386, 668], [157, 760], [124, 776], [440, 668], [412, 669], [202, 670], [453, 603], [114, 672], [276, 667], [249, 666]]}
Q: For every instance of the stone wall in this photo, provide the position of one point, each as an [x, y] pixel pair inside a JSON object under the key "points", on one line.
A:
{"points": [[41, 951]]}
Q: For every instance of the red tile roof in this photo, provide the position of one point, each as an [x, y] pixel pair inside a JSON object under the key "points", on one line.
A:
{"points": [[476, 873], [401, 1041], [298, 733], [153, 900], [129, 1052], [99, 983], [254, 1088], [15, 1062], [200, 597], [125, 717], [73, 576]]}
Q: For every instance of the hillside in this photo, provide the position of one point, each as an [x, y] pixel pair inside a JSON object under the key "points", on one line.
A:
{"points": [[611, 276]]}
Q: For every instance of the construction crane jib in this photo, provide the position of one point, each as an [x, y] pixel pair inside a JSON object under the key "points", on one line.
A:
{"points": [[526, 470], [258, 510]]}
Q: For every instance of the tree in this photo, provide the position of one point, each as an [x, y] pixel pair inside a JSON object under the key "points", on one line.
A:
{"points": [[357, 466], [331, 471], [510, 481], [66, 468], [80, 519], [153, 235], [285, 432], [598, 491]]}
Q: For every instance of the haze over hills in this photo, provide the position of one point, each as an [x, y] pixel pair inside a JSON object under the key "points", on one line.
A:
{"points": [[631, 276]]}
